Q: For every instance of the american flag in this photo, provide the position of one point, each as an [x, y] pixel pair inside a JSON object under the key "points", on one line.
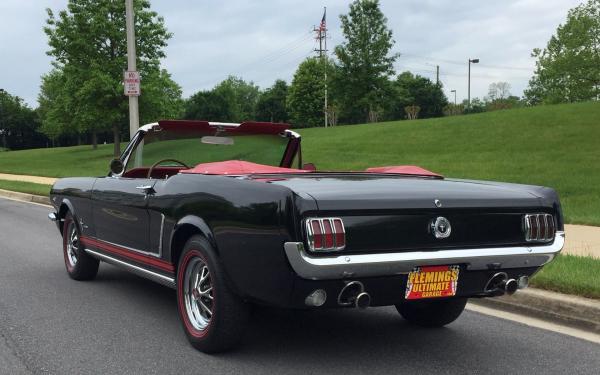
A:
{"points": [[323, 24]]}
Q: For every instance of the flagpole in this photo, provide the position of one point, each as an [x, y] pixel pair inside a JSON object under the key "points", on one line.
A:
{"points": [[326, 63]]}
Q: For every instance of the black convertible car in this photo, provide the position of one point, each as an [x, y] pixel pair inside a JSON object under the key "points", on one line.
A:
{"points": [[230, 216]]}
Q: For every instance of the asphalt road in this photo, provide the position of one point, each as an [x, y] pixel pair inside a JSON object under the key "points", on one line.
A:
{"points": [[120, 324]]}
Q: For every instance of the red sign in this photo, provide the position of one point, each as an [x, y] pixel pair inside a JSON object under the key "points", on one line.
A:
{"points": [[131, 83], [432, 281]]}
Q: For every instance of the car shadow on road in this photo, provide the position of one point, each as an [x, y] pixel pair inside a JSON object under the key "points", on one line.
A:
{"points": [[360, 339]]}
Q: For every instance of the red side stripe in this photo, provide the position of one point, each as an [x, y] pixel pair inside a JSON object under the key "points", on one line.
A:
{"points": [[117, 250]]}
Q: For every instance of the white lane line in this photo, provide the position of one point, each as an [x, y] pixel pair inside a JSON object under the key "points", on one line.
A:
{"points": [[24, 201], [537, 323]]}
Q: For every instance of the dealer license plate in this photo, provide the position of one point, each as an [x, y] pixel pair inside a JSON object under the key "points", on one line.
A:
{"points": [[432, 282]]}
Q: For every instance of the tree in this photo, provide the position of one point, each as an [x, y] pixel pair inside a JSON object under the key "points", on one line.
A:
{"points": [[365, 63], [567, 69], [306, 94], [271, 104], [88, 44], [476, 106], [18, 124], [414, 90], [232, 100], [498, 91], [208, 105], [242, 97]]}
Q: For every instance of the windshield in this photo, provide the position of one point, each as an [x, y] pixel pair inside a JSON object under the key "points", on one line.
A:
{"points": [[193, 148]]}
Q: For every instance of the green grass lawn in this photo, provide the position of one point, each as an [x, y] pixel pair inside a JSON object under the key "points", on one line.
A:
{"points": [[556, 146], [570, 274], [25, 187]]}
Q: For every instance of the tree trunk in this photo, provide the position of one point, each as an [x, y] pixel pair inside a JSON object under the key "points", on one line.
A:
{"points": [[94, 139], [117, 141]]}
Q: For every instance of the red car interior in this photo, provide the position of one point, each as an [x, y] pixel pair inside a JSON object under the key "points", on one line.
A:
{"points": [[240, 167]]}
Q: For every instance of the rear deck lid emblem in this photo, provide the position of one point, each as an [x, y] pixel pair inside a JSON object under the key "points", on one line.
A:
{"points": [[440, 227]]}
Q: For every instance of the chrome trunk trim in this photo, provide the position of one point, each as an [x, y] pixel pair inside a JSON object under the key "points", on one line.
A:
{"points": [[384, 264], [151, 275]]}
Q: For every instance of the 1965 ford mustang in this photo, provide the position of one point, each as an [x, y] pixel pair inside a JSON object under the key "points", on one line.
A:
{"points": [[229, 216]]}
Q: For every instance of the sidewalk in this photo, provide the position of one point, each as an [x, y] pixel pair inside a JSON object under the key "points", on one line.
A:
{"points": [[23, 178], [582, 240]]}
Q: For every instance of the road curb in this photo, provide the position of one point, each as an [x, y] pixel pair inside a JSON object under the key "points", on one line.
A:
{"points": [[573, 311], [25, 197]]}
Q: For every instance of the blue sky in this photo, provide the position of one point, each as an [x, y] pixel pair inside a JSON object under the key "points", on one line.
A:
{"points": [[265, 40]]}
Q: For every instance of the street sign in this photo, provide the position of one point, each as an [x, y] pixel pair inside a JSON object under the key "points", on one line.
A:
{"points": [[131, 83]]}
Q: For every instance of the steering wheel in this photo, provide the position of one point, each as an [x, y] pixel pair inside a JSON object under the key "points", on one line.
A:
{"points": [[162, 161]]}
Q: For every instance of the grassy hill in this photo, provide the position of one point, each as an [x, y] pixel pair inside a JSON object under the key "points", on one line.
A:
{"points": [[557, 146]]}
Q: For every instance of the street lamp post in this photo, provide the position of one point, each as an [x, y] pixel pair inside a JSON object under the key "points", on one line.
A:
{"points": [[474, 61], [454, 91]]}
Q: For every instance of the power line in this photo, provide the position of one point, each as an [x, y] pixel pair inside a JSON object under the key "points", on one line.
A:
{"points": [[412, 56]]}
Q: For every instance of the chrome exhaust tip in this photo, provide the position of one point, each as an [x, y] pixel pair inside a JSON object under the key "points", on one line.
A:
{"points": [[511, 286], [353, 294], [363, 300]]}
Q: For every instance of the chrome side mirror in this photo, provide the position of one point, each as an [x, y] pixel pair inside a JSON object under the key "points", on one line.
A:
{"points": [[116, 166]]}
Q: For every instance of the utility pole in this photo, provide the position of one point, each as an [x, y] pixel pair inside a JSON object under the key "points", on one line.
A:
{"points": [[474, 61], [454, 91], [3, 131], [437, 75], [322, 37], [326, 63], [134, 117]]}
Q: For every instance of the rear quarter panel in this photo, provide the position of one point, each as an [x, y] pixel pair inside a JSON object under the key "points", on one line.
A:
{"points": [[249, 221]]}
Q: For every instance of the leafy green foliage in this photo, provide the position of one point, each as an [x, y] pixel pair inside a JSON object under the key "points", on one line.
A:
{"points": [[567, 69], [84, 92], [233, 100], [271, 104], [365, 63], [409, 90], [306, 95], [18, 124]]}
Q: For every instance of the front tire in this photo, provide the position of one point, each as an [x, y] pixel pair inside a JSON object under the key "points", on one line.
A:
{"points": [[213, 317], [80, 266], [432, 313]]}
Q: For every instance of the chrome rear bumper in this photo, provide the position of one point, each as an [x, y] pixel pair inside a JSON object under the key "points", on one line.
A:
{"points": [[382, 264]]}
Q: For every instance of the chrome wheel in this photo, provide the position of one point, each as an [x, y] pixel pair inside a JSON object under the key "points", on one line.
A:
{"points": [[197, 293], [72, 245]]}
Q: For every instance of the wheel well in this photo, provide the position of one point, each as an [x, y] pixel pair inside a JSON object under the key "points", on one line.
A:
{"points": [[181, 236]]}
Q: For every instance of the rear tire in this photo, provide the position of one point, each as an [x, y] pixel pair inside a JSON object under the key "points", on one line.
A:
{"points": [[213, 317], [80, 266], [432, 313]]}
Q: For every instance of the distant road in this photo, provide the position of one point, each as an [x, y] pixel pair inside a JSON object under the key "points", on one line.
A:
{"points": [[120, 323]]}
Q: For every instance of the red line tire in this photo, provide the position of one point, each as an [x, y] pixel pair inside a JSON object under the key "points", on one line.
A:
{"points": [[433, 312], [213, 317], [80, 266]]}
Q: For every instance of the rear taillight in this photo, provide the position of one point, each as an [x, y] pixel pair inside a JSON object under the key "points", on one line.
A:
{"points": [[539, 227], [326, 234]]}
